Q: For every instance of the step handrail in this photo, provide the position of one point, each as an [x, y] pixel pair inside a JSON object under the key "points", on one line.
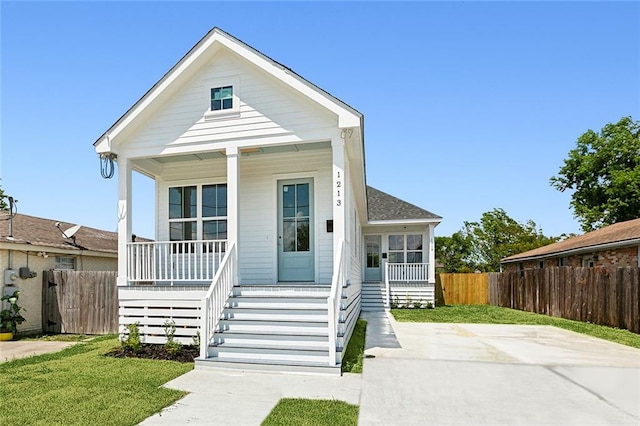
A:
{"points": [[334, 301], [213, 303]]}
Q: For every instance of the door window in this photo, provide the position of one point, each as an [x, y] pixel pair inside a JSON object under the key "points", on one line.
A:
{"points": [[295, 217]]}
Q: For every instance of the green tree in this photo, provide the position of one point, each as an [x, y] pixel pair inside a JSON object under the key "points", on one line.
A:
{"points": [[497, 236], [603, 170], [3, 198], [454, 253]]}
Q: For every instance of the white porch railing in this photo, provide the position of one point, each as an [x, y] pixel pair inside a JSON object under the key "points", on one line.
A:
{"points": [[334, 301], [215, 299], [404, 273], [174, 261]]}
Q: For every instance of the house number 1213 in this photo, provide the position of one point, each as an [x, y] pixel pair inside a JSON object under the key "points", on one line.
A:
{"points": [[338, 190]]}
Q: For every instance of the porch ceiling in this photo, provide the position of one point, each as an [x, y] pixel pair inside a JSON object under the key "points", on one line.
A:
{"points": [[249, 151]]}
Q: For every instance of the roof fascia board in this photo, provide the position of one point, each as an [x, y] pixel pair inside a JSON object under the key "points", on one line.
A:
{"points": [[405, 222], [576, 250], [347, 116], [25, 247], [156, 90]]}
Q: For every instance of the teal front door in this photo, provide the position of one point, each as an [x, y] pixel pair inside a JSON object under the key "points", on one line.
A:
{"points": [[373, 270], [295, 230]]}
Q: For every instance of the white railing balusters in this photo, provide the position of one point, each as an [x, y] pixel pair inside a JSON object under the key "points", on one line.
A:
{"points": [[334, 301], [407, 272], [174, 261], [213, 303]]}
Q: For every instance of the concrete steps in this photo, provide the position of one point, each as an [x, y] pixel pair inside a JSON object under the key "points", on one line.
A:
{"points": [[278, 327]]}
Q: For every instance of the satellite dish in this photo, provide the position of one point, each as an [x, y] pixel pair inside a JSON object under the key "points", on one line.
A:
{"points": [[69, 233]]}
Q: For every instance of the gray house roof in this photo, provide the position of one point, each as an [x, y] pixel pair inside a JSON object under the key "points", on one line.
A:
{"points": [[32, 230], [382, 206]]}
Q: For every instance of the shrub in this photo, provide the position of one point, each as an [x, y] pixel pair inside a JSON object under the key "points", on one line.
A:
{"points": [[131, 340]]}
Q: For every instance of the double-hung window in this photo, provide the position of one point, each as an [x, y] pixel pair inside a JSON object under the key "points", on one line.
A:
{"points": [[405, 248], [198, 212]]}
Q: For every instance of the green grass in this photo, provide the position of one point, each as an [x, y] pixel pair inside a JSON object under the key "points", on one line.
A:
{"points": [[81, 386], [312, 412], [354, 354], [488, 314]]}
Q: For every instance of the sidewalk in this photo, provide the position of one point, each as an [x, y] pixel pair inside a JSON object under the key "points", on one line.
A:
{"points": [[246, 398], [25, 348]]}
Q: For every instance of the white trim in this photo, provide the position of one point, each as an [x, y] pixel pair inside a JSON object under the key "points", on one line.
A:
{"points": [[578, 250], [234, 111], [404, 222]]}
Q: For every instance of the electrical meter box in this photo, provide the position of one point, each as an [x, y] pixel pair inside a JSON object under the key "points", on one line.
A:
{"points": [[10, 276]]}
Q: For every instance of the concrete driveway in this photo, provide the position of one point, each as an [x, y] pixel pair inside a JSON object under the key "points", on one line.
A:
{"points": [[461, 374], [25, 348]]}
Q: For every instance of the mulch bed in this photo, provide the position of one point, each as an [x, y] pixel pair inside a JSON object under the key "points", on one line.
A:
{"points": [[185, 354]]}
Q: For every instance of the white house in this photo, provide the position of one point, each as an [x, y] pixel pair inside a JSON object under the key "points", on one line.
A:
{"points": [[265, 227]]}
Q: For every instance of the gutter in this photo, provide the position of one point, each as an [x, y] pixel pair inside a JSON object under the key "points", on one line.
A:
{"points": [[575, 251]]}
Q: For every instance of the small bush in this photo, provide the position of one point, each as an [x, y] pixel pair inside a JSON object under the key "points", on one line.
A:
{"points": [[131, 340], [172, 346]]}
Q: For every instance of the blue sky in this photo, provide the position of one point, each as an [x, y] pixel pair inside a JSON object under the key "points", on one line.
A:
{"points": [[468, 106]]}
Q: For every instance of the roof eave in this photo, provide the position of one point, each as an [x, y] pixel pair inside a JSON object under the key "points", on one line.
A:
{"points": [[576, 250], [405, 221]]}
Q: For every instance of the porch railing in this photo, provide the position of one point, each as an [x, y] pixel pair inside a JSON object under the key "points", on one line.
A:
{"points": [[334, 301], [174, 261], [213, 303], [404, 273]]}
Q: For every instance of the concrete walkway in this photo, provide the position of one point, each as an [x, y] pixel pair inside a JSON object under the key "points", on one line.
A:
{"points": [[459, 374], [246, 398], [25, 348], [440, 374]]}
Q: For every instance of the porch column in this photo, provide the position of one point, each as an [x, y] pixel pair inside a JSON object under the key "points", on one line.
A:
{"points": [[233, 200], [432, 255], [339, 183], [124, 217]]}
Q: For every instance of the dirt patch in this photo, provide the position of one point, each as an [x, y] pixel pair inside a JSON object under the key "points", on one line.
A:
{"points": [[184, 354]]}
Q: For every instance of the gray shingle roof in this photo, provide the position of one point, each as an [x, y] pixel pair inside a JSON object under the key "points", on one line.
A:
{"points": [[39, 231], [383, 206]]}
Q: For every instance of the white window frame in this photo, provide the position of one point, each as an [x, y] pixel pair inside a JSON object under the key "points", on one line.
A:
{"points": [[405, 250], [199, 219], [234, 111], [61, 260]]}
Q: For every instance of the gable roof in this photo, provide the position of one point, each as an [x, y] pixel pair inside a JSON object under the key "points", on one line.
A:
{"points": [[385, 207], [37, 231], [618, 234], [347, 115]]}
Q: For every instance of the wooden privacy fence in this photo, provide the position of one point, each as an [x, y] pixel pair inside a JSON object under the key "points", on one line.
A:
{"points": [[79, 302], [607, 296], [463, 289]]}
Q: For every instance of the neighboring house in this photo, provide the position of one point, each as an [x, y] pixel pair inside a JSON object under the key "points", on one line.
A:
{"points": [[30, 245], [265, 227], [613, 245]]}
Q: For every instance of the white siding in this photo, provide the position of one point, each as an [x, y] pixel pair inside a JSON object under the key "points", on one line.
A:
{"points": [[267, 108], [258, 206]]}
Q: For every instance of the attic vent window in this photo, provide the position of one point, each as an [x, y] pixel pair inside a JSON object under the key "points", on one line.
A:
{"points": [[221, 98]]}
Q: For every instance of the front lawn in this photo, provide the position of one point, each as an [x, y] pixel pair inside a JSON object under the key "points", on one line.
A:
{"points": [[488, 314], [81, 386], [312, 412]]}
